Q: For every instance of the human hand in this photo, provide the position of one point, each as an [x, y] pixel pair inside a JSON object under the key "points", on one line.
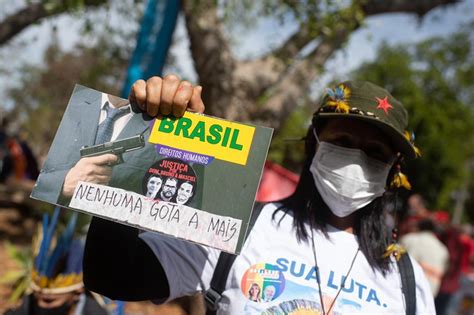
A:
{"points": [[95, 169], [168, 95]]}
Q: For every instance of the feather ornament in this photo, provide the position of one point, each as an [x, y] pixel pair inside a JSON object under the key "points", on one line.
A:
{"points": [[338, 98], [400, 180], [396, 250], [410, 136]]}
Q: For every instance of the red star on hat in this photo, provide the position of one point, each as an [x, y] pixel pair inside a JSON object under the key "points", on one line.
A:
{"points": [[384, 104]]}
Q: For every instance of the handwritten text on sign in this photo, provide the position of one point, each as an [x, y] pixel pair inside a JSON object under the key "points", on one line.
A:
{"points": [[178, 220], [221, 139]]}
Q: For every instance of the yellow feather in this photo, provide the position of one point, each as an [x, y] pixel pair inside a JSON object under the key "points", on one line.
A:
{"points": [[404, 181], [417, 151], [331, 103], [43, 282], [342, 107], [400, 180], [407, 135], [394, 249], [346, 91]]}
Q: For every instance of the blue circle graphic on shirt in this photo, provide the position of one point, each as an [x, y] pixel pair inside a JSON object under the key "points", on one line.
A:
{"points": [[262, 282]]}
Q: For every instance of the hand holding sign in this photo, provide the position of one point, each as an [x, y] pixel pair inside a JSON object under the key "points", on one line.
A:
{"points": [[165, 96]]}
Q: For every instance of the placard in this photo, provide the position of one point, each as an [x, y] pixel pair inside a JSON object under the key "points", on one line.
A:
{"points": [[194, 178]]}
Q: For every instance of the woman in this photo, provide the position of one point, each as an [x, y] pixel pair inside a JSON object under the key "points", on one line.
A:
{"points": [[153, 186], [325, 245]]}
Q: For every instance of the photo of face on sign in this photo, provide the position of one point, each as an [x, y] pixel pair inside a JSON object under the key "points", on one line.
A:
{"points": [[170, 180], [153, 186], [169, 189], [185, 192]]}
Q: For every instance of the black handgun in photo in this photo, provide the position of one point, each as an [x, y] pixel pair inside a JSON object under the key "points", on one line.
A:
{"points": [[117, 147]]}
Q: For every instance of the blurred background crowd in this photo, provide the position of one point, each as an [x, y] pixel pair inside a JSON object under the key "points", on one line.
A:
{"points": [[264, 62]]}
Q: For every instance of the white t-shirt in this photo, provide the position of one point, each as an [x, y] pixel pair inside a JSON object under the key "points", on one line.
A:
{"points": [[276, 267]]}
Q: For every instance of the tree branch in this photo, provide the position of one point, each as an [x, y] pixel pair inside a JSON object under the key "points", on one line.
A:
{"points": [[294, 43], [419, 7], [266, 90], [32, 13], [290, 85], [292, 89]]}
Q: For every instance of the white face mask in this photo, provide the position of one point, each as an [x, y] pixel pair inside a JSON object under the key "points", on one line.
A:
{"points": [[347, 179]]}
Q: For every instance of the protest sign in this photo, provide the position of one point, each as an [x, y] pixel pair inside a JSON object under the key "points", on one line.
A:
{"points": [[193, 177]]}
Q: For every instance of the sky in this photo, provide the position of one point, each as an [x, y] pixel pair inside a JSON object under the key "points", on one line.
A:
{"points": [[250, 42]]}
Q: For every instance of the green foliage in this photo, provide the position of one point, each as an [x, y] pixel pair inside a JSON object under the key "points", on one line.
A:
{"points": [[326, 17], [434, 81], [43, 92], [18, 279], [69, 5], [287, 147]]}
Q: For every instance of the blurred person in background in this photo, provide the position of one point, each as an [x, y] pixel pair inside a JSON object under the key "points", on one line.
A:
{"points": [[31, 169], [56, 286], [417, 206], [467, 272], [416, 210], [429, 251], [448, 299], [18, 165], [6, 163], [468, 247]]}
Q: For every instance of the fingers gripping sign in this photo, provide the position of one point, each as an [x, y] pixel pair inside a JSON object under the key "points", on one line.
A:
{"points": [[165, 96], [96, 169]]}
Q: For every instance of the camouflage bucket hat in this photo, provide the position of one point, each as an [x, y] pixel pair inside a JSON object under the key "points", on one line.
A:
{"points": [[372, 104]]}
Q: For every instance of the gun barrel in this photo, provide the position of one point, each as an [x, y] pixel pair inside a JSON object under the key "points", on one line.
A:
{"points": [[114, 147]]}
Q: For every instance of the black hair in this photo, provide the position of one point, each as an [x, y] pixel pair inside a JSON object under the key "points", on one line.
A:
{"points": [[154, 175], [173, 179], [307, 206]]}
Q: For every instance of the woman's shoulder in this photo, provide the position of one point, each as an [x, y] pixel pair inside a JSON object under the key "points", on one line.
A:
{"points": [[274, 213], [270, 209]]}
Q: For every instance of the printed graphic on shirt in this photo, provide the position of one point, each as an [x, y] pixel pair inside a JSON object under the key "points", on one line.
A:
{"points": [[356, 292], [262, 283], [298, 293], [295, 307], [170, 180], [308, 307]]}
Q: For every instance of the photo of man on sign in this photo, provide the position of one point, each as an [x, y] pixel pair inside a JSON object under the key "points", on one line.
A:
{"points": [[185, 192], [169, 189]]}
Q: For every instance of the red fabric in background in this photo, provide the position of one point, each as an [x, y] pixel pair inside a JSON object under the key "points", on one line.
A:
{"points": [[451, 238], [277, 183], [468, 251]]}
